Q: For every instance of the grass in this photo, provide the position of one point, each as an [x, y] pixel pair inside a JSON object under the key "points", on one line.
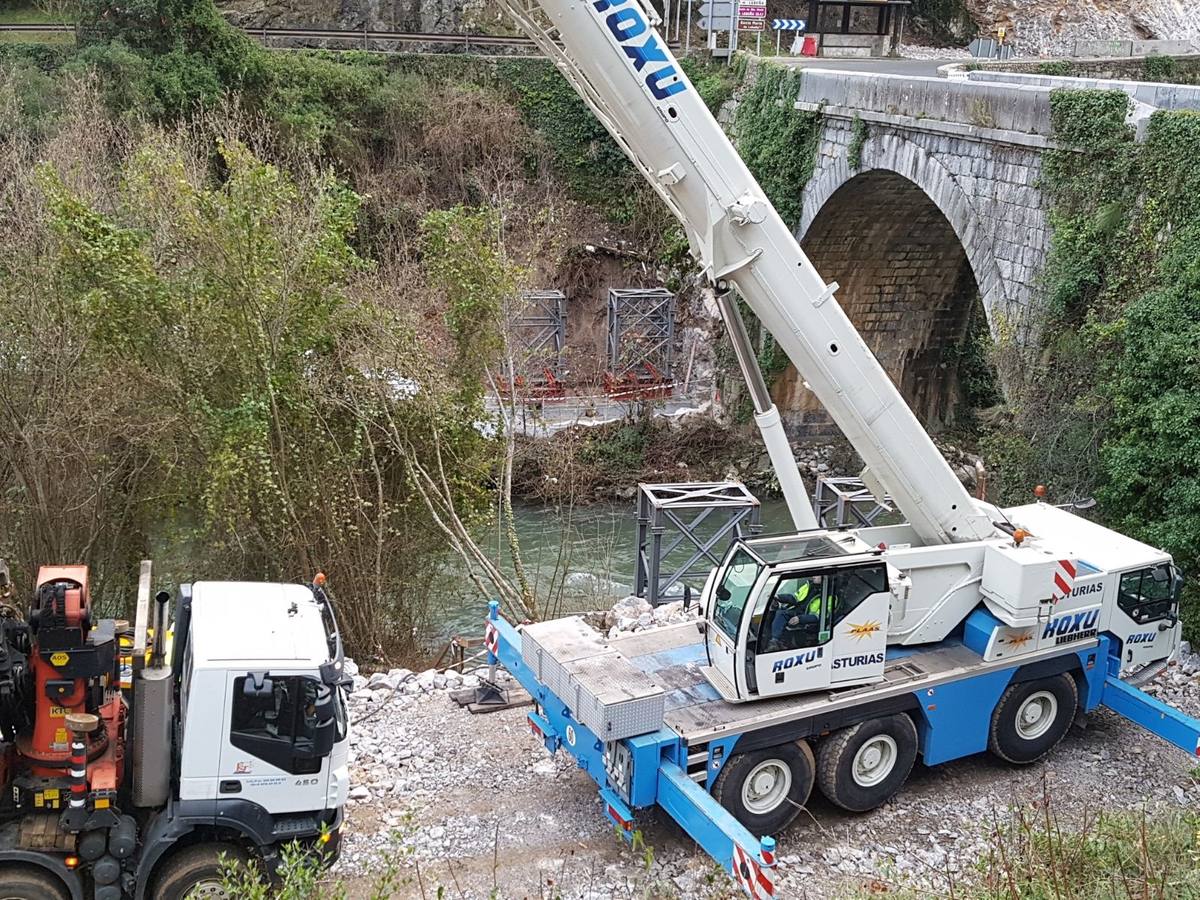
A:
{"points": [[1038, 852], [37, 37], [24, 14]]}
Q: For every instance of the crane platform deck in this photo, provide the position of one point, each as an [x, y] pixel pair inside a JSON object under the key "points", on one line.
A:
{"points": [[674, 656]]}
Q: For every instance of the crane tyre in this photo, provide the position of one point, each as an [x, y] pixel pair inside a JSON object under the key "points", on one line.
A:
{"points": [[195, 873], [30, 883], [1032, 717], [862, 766], [766, 789]]}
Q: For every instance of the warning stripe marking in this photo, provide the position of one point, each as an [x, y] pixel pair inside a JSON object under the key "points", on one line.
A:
{"points": [[752, 878], [1064, 580]]}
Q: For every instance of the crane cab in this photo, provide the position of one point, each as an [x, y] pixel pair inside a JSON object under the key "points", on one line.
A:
{"points": [[786, 615]]}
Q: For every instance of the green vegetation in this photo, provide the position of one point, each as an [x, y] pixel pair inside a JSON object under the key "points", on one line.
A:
{"points": [[858, 138], [1035, 855], [197, 356], [1057, 67], [778, 143], [269, 291], [946, 22], [1106, 403]]}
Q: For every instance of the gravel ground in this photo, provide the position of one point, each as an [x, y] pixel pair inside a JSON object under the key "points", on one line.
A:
{"points": [[473, 804]]}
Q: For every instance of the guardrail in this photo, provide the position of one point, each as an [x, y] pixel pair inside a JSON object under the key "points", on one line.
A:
{"points": [[362, 37]]}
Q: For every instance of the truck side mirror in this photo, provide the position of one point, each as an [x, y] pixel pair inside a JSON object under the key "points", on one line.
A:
{"points": [[258, 684]]}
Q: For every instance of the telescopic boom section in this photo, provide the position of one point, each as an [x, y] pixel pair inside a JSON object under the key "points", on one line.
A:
{"points": [[613, 56]]}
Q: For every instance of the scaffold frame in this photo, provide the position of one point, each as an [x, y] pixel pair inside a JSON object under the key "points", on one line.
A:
{"points": [[539, 334], [641, 333], [675, 516], [847, 501]]}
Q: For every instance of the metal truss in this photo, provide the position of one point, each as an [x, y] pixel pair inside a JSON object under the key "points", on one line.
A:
{"points": [[846, 501], [684, 529], [540, 337], [641, 334]]}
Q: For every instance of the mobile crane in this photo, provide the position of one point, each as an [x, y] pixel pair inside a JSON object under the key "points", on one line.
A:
{"points": [[131, 766], [967, 628]]}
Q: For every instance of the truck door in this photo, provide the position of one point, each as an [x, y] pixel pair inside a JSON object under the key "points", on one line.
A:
{"points": [[276, 751], [734, 588], [1146, 615], [859, 602], [788, 639]]}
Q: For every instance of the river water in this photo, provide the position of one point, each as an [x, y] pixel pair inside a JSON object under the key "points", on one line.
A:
{"points": [[583, 559]]}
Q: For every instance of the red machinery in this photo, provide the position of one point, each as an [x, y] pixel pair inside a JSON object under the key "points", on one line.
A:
{"points": [[72, 669]]}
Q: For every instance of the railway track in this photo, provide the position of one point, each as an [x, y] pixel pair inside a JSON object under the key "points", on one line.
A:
{"points": [[365, 37]]}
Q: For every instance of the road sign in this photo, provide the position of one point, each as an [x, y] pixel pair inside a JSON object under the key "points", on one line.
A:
{"points": [[751, 11], [789, 24], [717, 15], [752, 25]]}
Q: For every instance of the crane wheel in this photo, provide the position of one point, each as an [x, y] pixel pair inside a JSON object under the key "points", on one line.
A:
{"points": [[766, 789], [862, 766], [30, 883], [197, 872], [1032, 717]]}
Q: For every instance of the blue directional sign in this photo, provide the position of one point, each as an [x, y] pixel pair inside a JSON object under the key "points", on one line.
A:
{"points": [[789, 24]]}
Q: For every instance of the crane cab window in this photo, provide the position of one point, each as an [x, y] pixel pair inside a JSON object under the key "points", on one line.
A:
{"points": [[734, 590], [1146, 595], [804, 609]]}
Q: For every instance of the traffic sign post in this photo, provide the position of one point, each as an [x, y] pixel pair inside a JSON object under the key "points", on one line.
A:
{"points": [[752, 17], [717, 15], [782, 25]]}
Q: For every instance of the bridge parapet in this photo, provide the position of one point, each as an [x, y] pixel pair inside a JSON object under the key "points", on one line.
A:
{"points": [[1010, 112]]}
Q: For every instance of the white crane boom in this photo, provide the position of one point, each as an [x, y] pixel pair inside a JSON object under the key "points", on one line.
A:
{"points": [[611, 53]]}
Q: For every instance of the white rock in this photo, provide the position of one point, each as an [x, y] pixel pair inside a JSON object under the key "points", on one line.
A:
{"points": [[359, 792], [425, 679], [401, 675], [545, 767], [349, 667], [382, 680]]}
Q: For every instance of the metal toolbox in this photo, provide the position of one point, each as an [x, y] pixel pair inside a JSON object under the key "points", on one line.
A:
{"points": [[613, 697], [548, 647]]}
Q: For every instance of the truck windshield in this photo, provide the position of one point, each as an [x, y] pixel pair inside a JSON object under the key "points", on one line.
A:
{"points": [[733, 591]]}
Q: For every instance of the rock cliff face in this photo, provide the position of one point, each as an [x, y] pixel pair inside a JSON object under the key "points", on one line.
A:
{"points": [[1051, 27], [391, 15]]}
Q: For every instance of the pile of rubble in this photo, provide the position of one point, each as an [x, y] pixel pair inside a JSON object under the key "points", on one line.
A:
{"points": [[636, 614]]}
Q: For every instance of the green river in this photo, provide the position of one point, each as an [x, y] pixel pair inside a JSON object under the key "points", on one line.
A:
{"points": [[584, 559]]}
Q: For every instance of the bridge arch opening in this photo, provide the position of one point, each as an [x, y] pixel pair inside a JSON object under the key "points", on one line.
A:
{"points": [[907, 285]]}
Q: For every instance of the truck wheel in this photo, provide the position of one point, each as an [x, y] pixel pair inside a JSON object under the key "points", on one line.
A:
{"points": [[862, 766], [765, 789], [30, 883], [1032, 717], [195, 873]]}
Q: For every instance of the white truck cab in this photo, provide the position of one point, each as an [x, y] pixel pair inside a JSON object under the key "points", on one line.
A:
{"points": [[282, 741]]}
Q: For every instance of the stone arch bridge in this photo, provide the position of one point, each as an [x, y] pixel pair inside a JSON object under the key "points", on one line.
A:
{"points": [[926, 206]]}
